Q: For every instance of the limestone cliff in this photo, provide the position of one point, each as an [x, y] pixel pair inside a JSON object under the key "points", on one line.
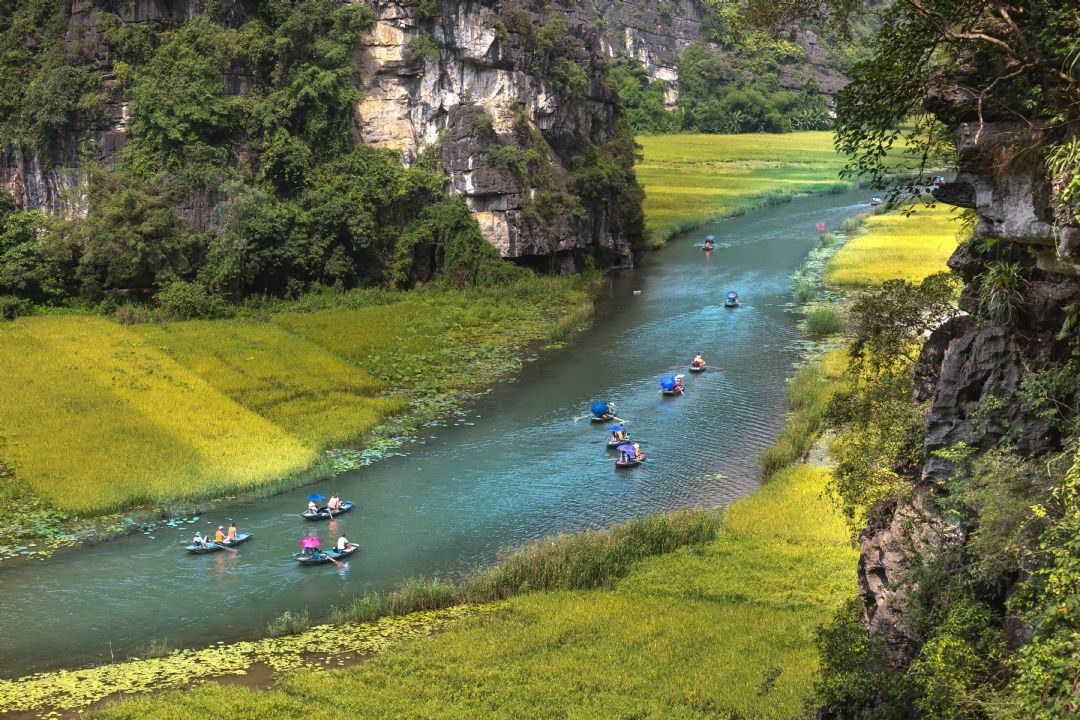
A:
{"points": [[971, 370], [510, 93]]}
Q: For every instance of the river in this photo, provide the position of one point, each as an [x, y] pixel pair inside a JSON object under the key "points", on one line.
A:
{"points": [[513, 467]]}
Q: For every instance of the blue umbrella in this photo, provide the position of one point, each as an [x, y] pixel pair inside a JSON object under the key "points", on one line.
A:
{"points": [[732, 294], [667, 382], [615, 428], [708, 237], [627, 448], [600, 408], [316, 497]]}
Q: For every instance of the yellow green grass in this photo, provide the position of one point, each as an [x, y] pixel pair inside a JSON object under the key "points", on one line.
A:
{"points": [[705, 631], [693, 179], [96, 416], [895, 246]]}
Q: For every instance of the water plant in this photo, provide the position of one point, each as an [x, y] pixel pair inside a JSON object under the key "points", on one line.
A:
{"points": [[822, 322]]}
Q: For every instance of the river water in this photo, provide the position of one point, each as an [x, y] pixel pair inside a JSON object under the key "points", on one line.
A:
{"points": [[515, 467]]}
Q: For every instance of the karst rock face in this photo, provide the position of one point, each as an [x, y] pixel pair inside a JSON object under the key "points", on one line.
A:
{"points": [[972, 368], [412, 99]]}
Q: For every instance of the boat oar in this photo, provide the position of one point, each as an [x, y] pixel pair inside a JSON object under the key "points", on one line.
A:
{"points": [[223, 546], [340, 565]]}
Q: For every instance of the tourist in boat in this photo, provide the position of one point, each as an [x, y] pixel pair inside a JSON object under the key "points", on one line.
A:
{"points": [[198, 541], [334, 503], [343, 544], [698, 361], [678, 384], [604, 410], [709, 244], [638, 455], [219, 535], [232, 531], [312, 507], [618, 434]]}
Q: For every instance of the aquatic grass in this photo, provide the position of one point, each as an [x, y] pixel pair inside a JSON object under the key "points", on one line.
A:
{"points": [[823, 321], [809, 391], [895, 246], [573, 561], [289, 622], [740, 608]]}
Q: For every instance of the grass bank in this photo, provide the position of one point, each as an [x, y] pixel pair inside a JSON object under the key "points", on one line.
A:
{"points": [[894, 246], [97, 417], [723, 628], [693, 179]]}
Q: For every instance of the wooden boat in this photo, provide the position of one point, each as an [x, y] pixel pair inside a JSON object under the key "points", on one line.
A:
{"points": [[612, 444], [671, 392], [324, 556], [697, 368], [602, 418], [211, 547], [324, 513], [629, 462], [731, 302]]}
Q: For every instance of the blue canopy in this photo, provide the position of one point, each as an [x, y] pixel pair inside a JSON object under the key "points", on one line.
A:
{"points": [[667, 382], [616, 428], [600, 408], [732, 295], [709, 237], [316, 497], [627, 448]]}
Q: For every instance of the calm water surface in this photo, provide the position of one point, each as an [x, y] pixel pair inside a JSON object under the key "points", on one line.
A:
{"points": [[514, 467]]}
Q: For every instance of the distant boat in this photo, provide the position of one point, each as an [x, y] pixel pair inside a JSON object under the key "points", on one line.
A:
{"points": [[875, 200], [731, 299]]}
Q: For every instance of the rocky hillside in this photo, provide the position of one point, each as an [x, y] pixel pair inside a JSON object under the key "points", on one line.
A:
{"points": [[510, 96]]}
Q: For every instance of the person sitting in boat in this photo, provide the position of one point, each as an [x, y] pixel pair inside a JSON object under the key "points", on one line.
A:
{"points": [[334, 503], [343, 544], [709, 244], [198, 541], [219, 535], [678, 384], [624, 456], [698, 361], [232, 531], [312, 507], [309, 551], [618, 434], [638, 455]]}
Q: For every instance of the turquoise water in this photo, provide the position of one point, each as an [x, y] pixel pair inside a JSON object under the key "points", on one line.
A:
{"points": [[516, 466]]}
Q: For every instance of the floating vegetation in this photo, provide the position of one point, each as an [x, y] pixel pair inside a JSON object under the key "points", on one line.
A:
{"points": [[321, 646]]}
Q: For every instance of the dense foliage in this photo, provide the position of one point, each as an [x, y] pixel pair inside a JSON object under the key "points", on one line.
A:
{"points": [[739, 78], [240, 175]]}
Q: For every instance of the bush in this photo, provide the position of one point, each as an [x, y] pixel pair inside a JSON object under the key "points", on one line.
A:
{"points": [[822, 321], [12, 307], [180, 300]]}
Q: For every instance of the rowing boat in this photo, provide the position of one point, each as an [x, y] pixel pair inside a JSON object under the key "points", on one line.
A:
{"points": [[324, 513], [324, 556], [211, 547]]}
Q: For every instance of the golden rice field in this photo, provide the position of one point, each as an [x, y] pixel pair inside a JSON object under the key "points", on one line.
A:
{"points": [[692, 179], [723, 629], [895, 246], [96, 417]]}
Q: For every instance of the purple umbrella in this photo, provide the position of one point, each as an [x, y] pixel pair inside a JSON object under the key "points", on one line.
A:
{"points": [[310, 542], [627, 448]]}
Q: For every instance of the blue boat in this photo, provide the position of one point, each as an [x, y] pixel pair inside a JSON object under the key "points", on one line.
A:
{"points": [[731, 299]]}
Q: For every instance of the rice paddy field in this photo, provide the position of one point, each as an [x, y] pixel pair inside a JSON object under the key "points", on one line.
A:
{"points": [[97, 417], [693, 179], [896, 246], [723, 629]]}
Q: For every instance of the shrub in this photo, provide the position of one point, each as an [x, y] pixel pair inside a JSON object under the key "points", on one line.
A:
{"points": [[999, 292], [823, 321], [180, 300], [12, 307]]}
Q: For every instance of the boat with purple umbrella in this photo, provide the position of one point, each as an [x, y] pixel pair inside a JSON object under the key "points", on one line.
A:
{"points": [[630, 455]]}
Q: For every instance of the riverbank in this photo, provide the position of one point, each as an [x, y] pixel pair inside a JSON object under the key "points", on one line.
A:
{"points": [[97, 417], [691, 180], [739, 603]]}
